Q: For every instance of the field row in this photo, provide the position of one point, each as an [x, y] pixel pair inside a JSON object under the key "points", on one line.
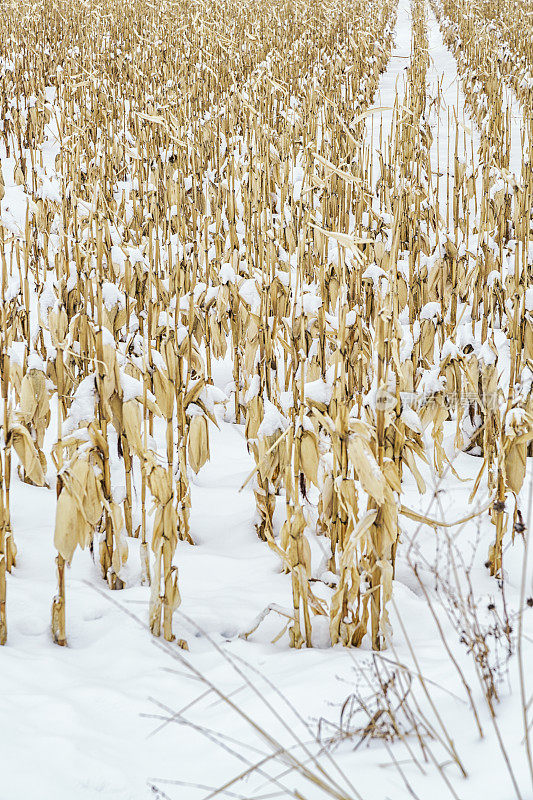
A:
{"points": [[196, 190]]}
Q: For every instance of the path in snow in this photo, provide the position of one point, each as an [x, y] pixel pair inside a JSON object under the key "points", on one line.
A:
{"points": [[391, 88], [443, 70], [442, 75]]}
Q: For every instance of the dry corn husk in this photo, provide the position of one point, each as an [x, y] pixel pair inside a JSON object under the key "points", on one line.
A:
{"points": [[366, 468], [309, 456], [198, 443], [28, 454], [79, 509]]}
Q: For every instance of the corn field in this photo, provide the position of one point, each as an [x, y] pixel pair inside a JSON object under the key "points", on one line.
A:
{"points": [[219, 219]]}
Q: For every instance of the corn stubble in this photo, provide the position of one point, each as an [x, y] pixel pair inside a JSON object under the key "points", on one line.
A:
{"points": [[212, 195]]}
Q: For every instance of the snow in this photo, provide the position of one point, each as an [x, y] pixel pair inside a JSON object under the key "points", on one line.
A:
{"points": [[272, 422], [318, 391], [82, 408]]}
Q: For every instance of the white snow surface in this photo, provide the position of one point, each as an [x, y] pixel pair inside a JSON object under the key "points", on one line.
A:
{"points": [[88, 711]]}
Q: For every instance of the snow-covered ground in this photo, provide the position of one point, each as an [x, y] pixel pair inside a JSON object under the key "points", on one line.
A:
{"points": [[89, 712], [87, 721]]}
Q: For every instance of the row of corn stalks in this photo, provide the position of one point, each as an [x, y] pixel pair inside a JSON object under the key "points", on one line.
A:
{"points": [[201, 184]]}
